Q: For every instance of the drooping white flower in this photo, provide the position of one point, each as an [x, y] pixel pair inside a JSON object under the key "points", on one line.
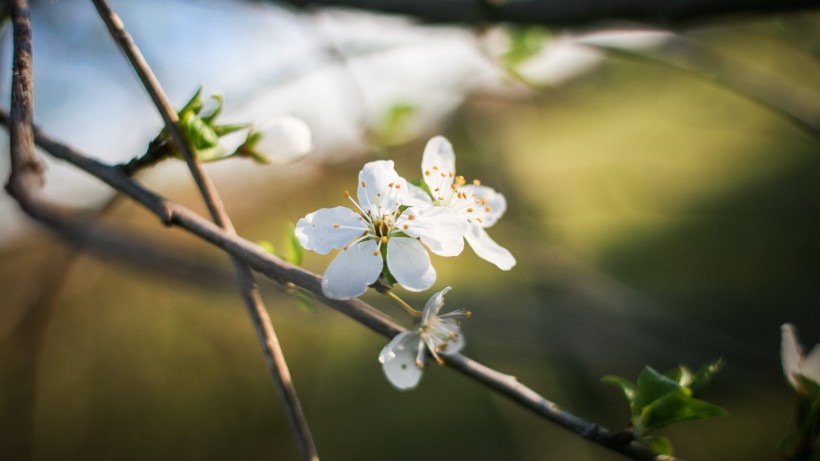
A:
{"points": [[403, 358], [480, 206], [795, 361], [378, 231]]}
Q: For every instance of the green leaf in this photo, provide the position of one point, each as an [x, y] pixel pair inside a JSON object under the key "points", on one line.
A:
{"points": [[267, 246], [675, 407], [423, 185], [201, 135], [222, 130], [304, 299], [660, 445], [525, 42], [394, 126], [194, 105], [628, 389], [293, 249], [210, 117], [681, 375], [653, 386], [704, 375]]}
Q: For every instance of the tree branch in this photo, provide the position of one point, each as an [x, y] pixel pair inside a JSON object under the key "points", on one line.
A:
{"points": [[247, 285], [563, 12], [249, 253]]}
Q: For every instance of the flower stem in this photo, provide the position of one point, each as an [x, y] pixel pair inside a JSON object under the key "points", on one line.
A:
{"points": [[403, 304]]}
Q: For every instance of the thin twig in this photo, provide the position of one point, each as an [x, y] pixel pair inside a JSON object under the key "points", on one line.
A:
{"points": [[249, 253], [247, 285]]}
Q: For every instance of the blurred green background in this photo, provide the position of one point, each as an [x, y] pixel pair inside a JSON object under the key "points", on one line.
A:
{"points": [[657, 219]]}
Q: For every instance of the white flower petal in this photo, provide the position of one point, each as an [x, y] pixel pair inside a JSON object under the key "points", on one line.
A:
{"points": [[380, 188], [441, 229], [398, 359], [790, 353], [350, 273], [487, 249], [438, 164], [487, 204], [285, 138], [810, 368], [416, 196], [434, 304], [410, 264], [456, 344], [318, 232]]}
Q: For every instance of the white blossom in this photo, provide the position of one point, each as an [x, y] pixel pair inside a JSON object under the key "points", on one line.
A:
{"points": [[403, 358], [795, 361], [480, 206], [379, 232], [285, 138]]}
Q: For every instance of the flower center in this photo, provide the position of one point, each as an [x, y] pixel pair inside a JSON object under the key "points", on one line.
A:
{"points": [[382, 225]]}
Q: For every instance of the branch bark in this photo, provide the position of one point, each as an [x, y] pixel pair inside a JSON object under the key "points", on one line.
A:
{"points": [[563, 12], [173, 214], [247, 284]]}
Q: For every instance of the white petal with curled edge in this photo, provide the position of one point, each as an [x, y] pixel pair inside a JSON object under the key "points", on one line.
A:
{"points": [[492, 206], [440, 228], [486, 248], [434, 304], [438, 159], [318, 232], [380, 188], [416, 196], [789, 353], [810, 368], [398, 359], [410, 264], [350, 273]]}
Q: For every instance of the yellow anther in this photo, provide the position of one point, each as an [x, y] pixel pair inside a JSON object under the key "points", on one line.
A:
{"points": [[347, 194], [483, 200], [476, 182], [439, 360], [364, 184], [384, 239], [443, 347], [469, 210], [411, 217], [375, 252], [427, 173], [453, 186], [406, 227], [488, 209], [436, 189], [478, 219], [398, 186], [336, 226], [460, 180], [443, 175], [419, 363], [452, 335], [452, 174], [435, 168], [441, 198], [390, 185]]}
